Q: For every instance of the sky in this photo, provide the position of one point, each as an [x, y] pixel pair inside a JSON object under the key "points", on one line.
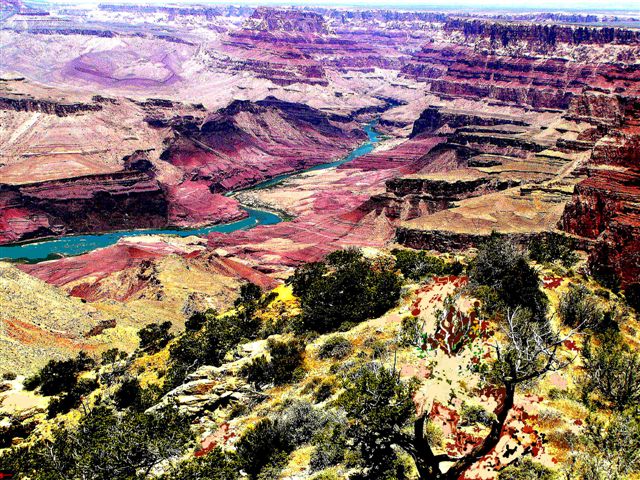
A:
{"points": [[552, 5]]}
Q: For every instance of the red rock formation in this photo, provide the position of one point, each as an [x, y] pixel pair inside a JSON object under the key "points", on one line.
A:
{"points": [[235, 147], [248, 142], [408, 156], [192, 203], [434, 118], [294, 47], [94, 203], [138, 257], [46, 106], [474, 70], [605, 208], [295, 21], [505, 33]]}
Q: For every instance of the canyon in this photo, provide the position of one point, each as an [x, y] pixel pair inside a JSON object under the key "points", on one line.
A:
{"points": [[165, 117], [265, 242]]}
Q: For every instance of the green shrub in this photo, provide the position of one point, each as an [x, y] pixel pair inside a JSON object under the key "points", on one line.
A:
{"points": [[197, 320], [613, 372], [474, 414], [527, 469], [325, 390], [433, 434], [632, 296], [612, 448], [410, 331], [72, 398], [154, 337], [286, 360], [327, 475], [416, 264], [258, 372], [209, 344], [299, 421], [103, 445], [379, 348], [12, 427], [378, 404], [553, 247], [249, 294], [335, 347], [609, 322], [502, 278], [275, 466], [330, 447], [346, 287], [259, 446], [128, 394], [215, 465], [578, 307], [557, 394], [112, 355], [263, 450], [9, 376], [59, 376]]}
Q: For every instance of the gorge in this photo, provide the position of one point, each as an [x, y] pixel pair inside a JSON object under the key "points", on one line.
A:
{"points": [[79, 244], [319, 242]]}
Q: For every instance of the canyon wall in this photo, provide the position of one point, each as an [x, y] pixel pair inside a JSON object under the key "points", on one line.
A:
{"points": [[193, 157]]}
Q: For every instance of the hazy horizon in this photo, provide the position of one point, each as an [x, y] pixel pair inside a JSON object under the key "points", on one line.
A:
{"points": [[510, 5]]}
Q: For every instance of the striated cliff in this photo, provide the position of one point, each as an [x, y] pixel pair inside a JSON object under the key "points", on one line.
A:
{"points": [[434, 118], [294, 21], [94, 203], [605, 208], [506, 33], [46, 106], [247, 142], [73, 184]]}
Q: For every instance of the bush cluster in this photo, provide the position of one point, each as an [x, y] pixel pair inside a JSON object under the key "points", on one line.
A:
{"points": [[612, 372], [285, 363], [104, 445], [209, 344], [155, 336], [417, 264], [476, 414], [553, 247], [410, 331], [527, 469], [59, 376], [344, 289], [632, 295], [579, 307], [12, 427], [263, 450], [215, 465], [330, 447], [335, 347], [112, 355], [502, 278], [60, 379], [129, 394], [377, 404]]}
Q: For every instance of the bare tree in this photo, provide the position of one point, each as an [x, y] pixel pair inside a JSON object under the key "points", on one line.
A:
{"points": [[529, 350]]}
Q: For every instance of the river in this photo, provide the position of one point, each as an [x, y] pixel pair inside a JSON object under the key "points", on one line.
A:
{"points": [[77, 244]]}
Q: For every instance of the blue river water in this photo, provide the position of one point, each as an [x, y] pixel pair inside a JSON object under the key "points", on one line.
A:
{"points": [[77, 244]]}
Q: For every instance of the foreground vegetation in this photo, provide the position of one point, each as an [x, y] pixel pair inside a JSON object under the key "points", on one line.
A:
{"points": [[317, 384]]}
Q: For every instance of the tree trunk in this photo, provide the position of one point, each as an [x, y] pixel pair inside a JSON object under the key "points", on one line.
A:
{"points": [[489, 443], [421, 452]]}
